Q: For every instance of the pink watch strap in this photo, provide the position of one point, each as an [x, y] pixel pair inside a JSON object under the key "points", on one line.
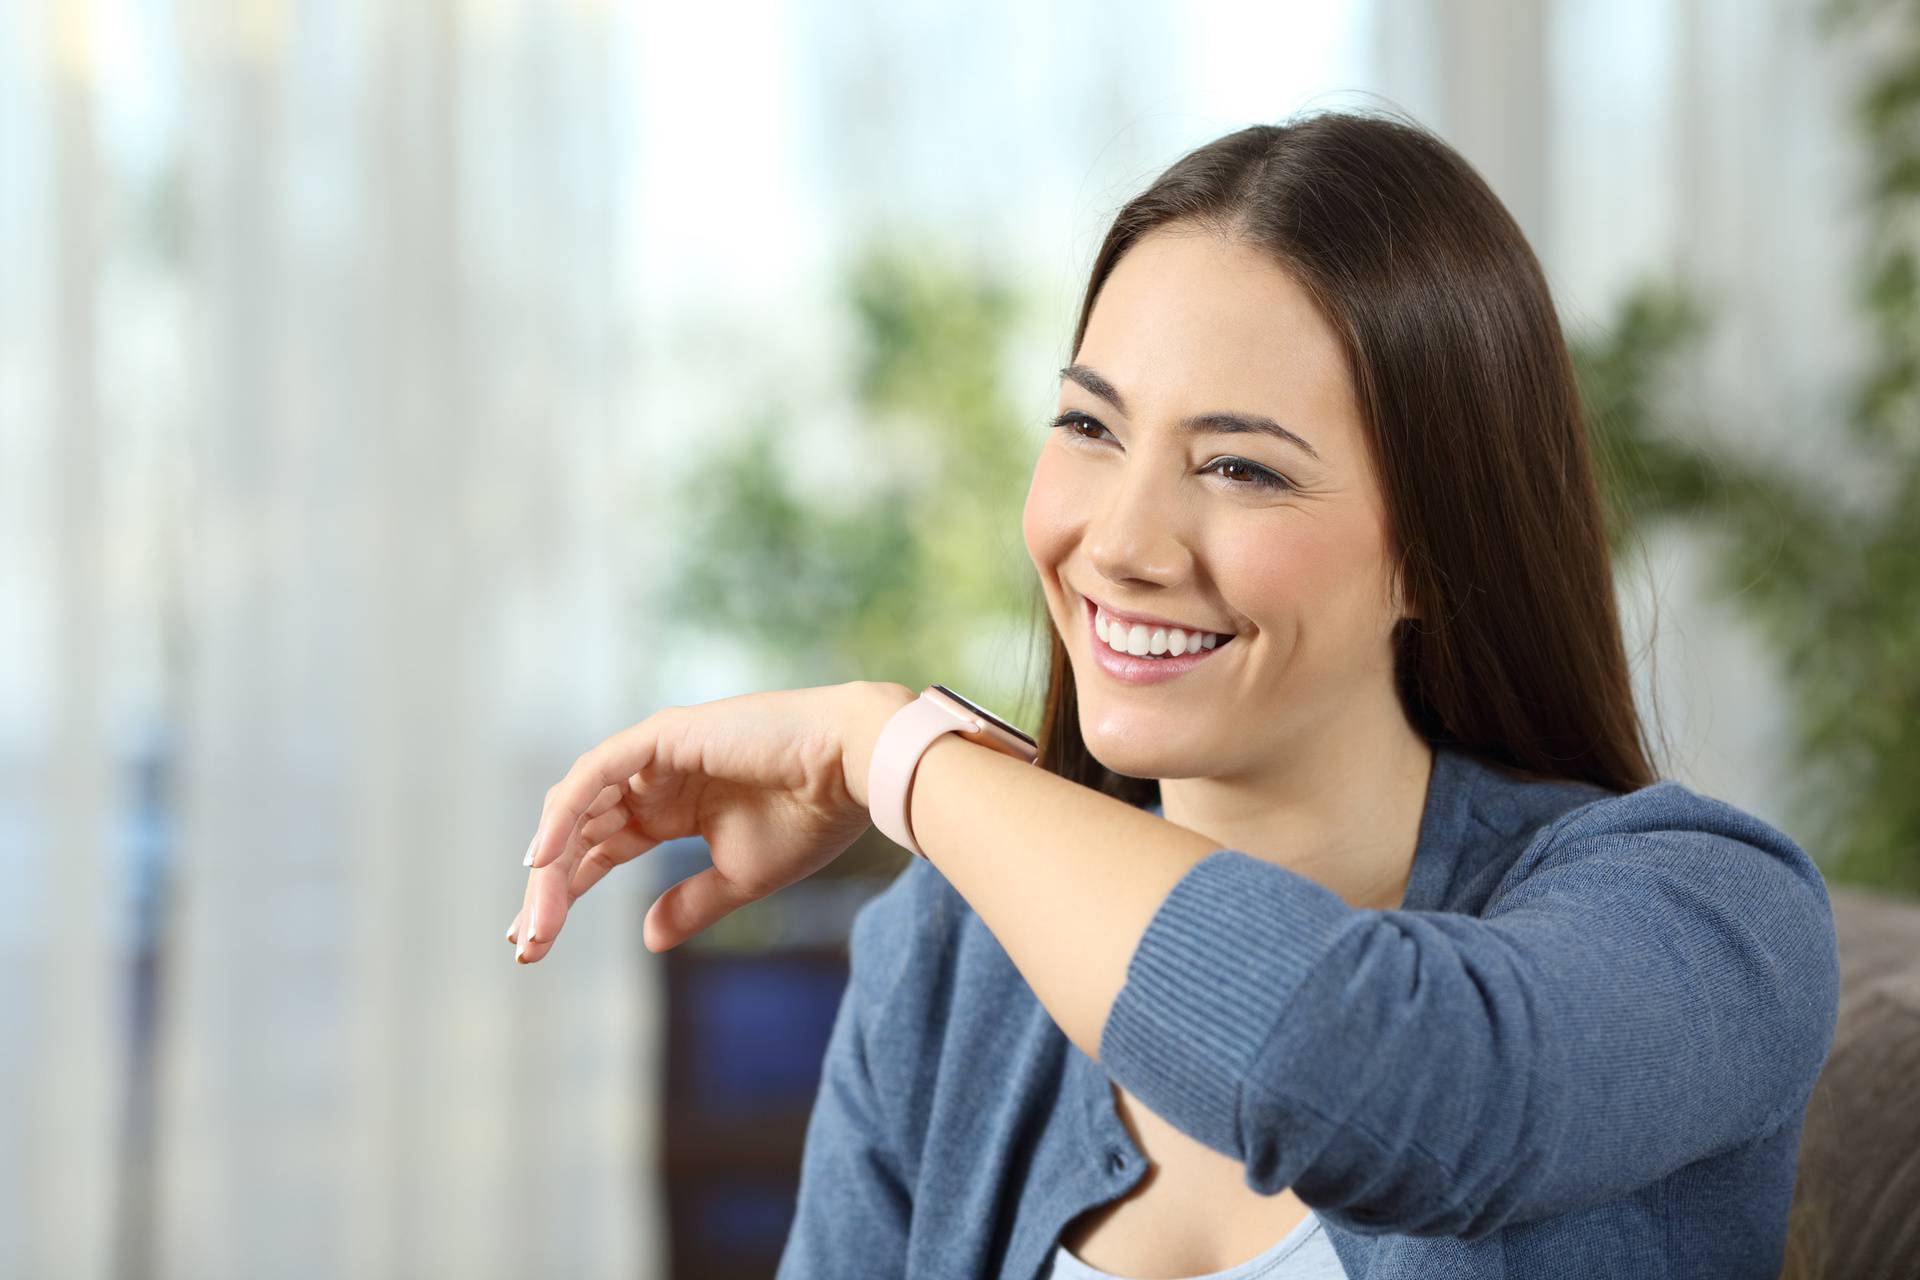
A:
{"points": [[896, 754]]}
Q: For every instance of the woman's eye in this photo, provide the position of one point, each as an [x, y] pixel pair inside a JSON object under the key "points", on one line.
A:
{"points": [[1258, 477], [1072, 419]]}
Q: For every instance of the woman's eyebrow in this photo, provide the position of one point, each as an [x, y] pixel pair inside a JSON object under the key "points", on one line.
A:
{"points": [[1219, 422]]}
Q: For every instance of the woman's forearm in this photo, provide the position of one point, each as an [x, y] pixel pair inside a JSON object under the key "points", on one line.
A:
{"points": [[1066, 878]]}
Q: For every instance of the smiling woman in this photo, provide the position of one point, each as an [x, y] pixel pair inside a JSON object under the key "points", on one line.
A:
{"points": [[1345, 304], [1410, 528], [1397, 979]]}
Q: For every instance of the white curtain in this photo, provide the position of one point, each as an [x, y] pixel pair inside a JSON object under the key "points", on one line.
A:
{"points": [[310, 373]]}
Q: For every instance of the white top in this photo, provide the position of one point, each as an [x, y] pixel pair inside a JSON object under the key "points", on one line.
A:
{"points": [[1304, 1253]]}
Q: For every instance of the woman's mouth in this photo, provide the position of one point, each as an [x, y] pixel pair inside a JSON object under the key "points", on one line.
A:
{"points": [[1146, 667]]}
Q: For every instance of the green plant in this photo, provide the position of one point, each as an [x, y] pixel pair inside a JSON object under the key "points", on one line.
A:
{"points": [[1833, 586], [919, 578]]}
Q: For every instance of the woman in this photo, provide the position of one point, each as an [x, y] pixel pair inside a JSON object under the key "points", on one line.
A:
{"points": [[1345, 928]]}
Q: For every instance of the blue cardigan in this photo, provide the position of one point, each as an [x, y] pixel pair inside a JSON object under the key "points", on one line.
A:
{"points": [[1582, 1046]]}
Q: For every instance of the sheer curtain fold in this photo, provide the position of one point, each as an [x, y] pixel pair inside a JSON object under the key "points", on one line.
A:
{"points": [[381, 463]]}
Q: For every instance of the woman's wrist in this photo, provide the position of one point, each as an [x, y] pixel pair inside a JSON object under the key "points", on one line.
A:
{"points": [[870, 704]]}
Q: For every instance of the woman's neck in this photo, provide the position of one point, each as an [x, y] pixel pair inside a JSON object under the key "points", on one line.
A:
{"points": [[1344, 810]]}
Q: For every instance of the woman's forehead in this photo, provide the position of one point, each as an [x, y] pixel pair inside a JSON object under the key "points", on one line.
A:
{"points": [[1193, 323]]}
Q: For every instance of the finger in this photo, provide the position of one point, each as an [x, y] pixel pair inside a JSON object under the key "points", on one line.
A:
{"points": [[516, 933], [623, 845], [597, 828], [518, 930], [628, 752], [539, 917], [519, 934], [548, 899], [546, 913], [696, 903], [607, 800], [519, 918], [609, 797]]}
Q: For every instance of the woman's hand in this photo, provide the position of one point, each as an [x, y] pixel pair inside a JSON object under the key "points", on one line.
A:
{"points": [[775, 782]]}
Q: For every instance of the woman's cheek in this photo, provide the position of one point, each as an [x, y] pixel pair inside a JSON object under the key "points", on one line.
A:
{"points": [[1325, 583], [1048, 519], [1287, 582]]}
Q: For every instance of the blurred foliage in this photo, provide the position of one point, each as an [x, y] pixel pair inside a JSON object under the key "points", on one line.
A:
{"points": [[1834, 589], [924, 577], [915, 580]]}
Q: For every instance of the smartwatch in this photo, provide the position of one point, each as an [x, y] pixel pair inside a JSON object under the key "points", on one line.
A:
{"points": [[906, 737]]}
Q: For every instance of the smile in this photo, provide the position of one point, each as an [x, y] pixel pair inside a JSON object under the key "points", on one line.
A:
{"points": [[1143, 668]]}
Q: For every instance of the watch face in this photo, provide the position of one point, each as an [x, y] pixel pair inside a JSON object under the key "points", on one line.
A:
{"points": [[984, 714]]}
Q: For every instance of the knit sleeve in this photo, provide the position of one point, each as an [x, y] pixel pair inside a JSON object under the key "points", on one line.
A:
{"points": [[853, 1207], [1656, 982]]}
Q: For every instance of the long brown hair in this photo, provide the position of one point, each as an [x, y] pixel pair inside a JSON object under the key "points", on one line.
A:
{"points": [[1474, 423]]}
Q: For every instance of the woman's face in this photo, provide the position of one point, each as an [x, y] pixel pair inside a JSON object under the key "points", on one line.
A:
{"points": [[1135, 511]]}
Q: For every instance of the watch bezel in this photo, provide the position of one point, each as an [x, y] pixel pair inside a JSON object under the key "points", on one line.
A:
{"points": [[992, 721]]}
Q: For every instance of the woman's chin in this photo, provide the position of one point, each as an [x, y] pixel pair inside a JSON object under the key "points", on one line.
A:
{"points": [[1122, 750]]}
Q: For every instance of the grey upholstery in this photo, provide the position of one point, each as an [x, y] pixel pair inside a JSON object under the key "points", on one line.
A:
{"points": [[1856, 1206]]}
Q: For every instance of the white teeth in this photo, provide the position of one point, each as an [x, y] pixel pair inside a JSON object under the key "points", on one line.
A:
{"points": [[1140, 640]]}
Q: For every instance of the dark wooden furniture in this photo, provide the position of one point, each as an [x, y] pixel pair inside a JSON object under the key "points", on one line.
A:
{"points": [[750, 1004]]}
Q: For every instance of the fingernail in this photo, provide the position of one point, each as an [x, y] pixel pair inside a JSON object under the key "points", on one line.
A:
{"points": [[528, 860], [516, 920]]}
